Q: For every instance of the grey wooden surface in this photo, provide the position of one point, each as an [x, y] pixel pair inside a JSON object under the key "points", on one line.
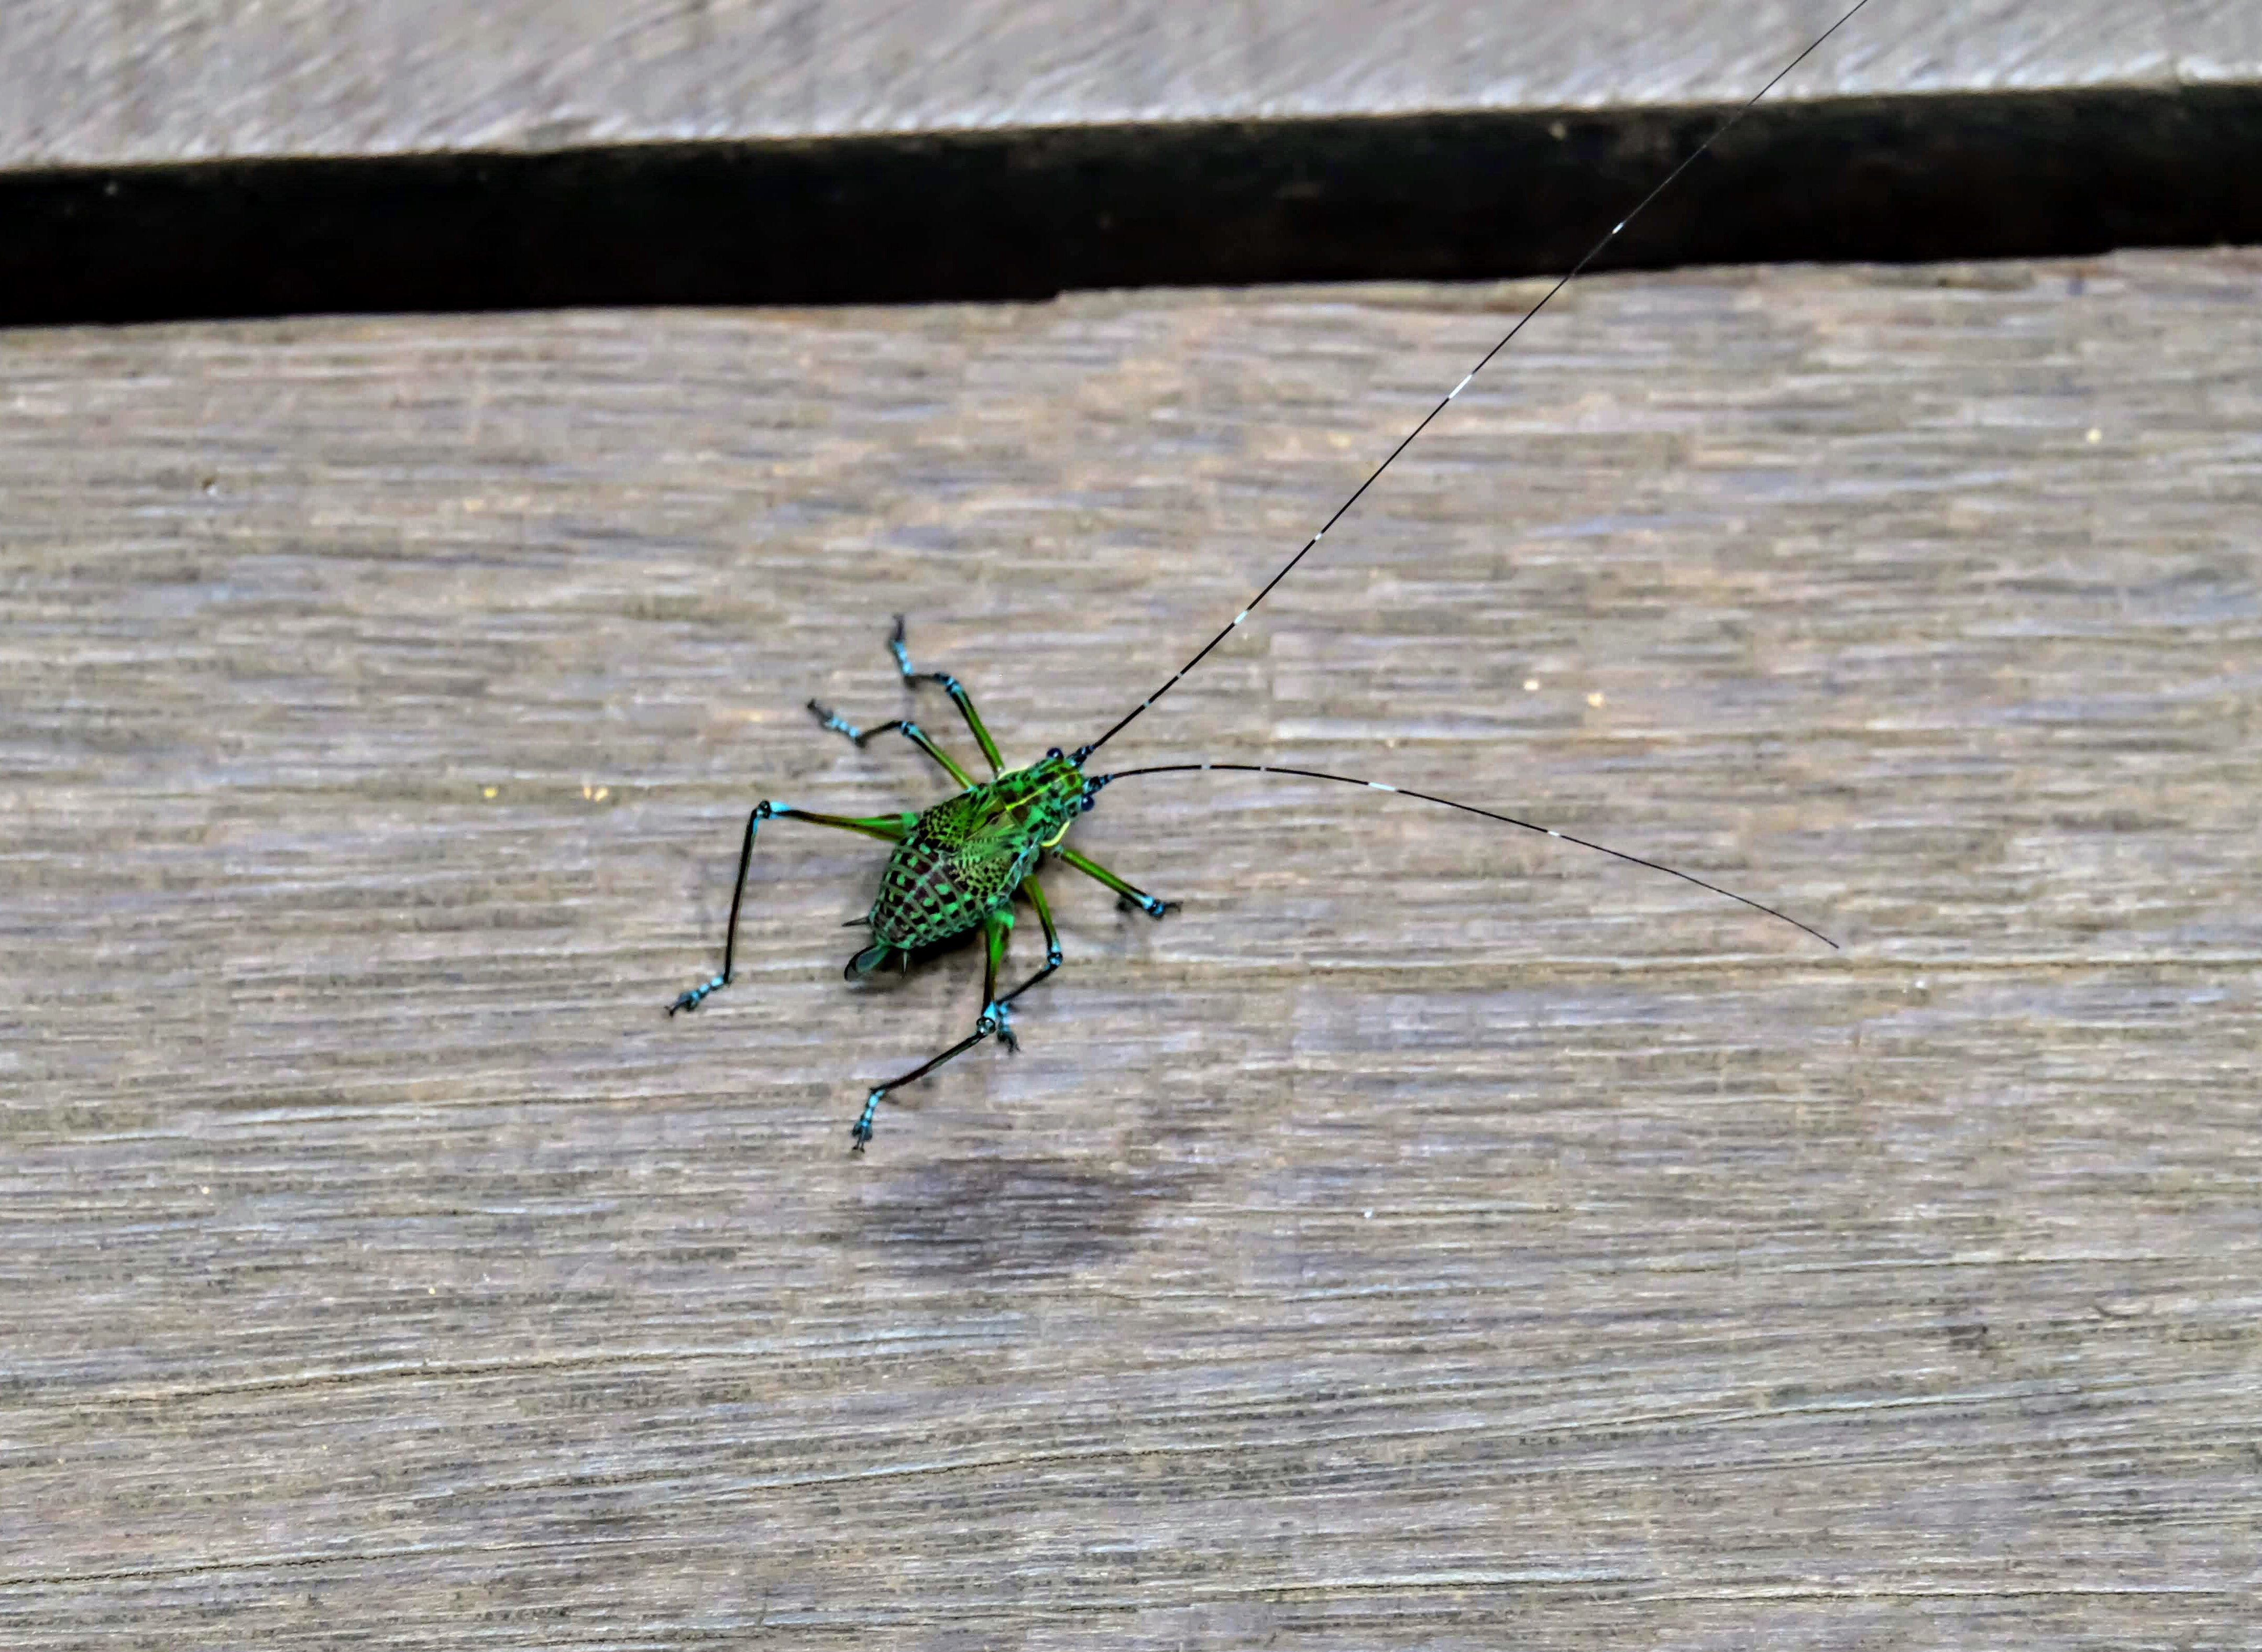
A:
{"points": [[1430, 1238], [102, 82]]}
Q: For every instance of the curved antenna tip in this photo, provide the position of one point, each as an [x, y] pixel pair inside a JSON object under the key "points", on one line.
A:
{"points": [[1472, 808]]}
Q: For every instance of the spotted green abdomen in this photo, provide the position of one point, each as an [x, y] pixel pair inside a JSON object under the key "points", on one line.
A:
{"points": [[929, 894]]}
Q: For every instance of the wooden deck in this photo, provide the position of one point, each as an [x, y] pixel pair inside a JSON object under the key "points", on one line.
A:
{"points": [[1431, 1237], [182, 80]]}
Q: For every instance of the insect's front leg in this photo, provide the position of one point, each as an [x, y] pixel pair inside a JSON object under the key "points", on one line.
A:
{"points": [[887, 828], [992, 1023], [1127, 896], [910, 731], [952, 686]]}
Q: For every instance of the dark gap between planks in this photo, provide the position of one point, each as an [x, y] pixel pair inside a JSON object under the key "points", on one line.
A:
{"points": [[1026, 213]]}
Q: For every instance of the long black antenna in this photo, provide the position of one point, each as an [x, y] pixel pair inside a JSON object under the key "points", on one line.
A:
{"points": [[1593, 252], [1095, 782]]}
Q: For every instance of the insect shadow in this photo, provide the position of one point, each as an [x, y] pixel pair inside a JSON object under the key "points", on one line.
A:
{"points": [[993, 1218]]}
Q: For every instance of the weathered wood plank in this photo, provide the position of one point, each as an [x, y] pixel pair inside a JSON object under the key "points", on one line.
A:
{"points": [[84, 85], [1429, 1237]]}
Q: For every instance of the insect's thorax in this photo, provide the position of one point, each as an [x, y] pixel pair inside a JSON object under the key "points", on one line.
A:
{"points": [[966, 856]]}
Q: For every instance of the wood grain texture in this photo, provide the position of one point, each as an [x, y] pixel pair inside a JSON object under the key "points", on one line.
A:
{"points": [[1430, 1238], [106, 82]]}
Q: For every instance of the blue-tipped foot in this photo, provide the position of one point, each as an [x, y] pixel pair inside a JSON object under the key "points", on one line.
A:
{"points": [[860, 1132], [697, 995], [830, 719], [999, 1018]]}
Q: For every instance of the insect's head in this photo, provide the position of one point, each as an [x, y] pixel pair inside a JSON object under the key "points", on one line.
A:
{"points": [[1062, 772], [1060, 776], [1090, 783]]}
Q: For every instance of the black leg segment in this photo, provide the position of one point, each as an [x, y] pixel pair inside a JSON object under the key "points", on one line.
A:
{"points": [[888, 828], [993, 1023]]}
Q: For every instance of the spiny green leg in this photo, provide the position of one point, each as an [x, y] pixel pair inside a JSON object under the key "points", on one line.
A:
{"points": [[1127, 896], [995, 924], [887, 828], [904, 726], [955, 689], [1052, 946]]}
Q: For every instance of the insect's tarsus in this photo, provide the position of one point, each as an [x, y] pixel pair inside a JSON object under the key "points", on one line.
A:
{"points": [[959, 866]]}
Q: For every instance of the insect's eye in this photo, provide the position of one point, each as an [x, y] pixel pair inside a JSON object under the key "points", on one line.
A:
{"points": [[1053, 752], [1087, 805]]}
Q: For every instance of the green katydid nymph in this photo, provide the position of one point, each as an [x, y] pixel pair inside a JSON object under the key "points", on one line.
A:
{"points": [[959, 866]]}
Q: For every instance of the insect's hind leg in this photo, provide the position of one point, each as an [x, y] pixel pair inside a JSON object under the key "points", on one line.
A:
{"points": [[1127, 896], [955, 689], [992, 1023], [887, 828]]}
